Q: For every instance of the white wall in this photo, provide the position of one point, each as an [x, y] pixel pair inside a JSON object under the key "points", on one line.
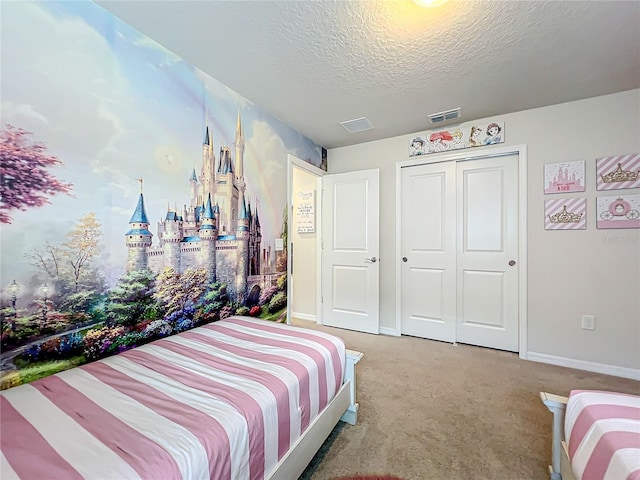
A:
{"points": [[303, 303], [570, 273]]}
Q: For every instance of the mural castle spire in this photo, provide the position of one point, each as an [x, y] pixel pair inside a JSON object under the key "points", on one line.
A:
{"points": [[138, 238], [242, 228], [208, 172], [239, 144]]}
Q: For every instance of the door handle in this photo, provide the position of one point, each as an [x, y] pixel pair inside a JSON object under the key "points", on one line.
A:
{"points": [[372, 259], [404, 259], [512, 263]]}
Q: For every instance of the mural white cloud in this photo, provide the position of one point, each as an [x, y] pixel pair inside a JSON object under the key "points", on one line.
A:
{"points": [[67, 56], [23, 113]]}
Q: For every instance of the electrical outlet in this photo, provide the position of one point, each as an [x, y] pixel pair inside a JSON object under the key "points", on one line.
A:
{"points": [[588, 322]]}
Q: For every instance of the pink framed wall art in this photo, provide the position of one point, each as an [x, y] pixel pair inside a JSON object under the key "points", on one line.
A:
{"points": [[564, 177], [565, 214], [618, 211], [618, 172]]}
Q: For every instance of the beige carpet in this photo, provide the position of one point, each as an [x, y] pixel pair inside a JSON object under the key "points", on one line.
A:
{"points": [[431, 410]]}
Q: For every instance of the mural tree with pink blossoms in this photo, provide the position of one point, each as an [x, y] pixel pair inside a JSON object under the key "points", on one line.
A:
{"points": [[25, 180]]}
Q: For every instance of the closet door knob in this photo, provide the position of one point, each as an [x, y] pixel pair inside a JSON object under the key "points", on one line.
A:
{"points": [[404, 259], [512, 263]]}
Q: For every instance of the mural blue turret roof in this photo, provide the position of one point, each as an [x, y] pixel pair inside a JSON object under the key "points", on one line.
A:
{"points": [[173, 216], [199, 209], [194, 178], [206, 137], [208, 211], [257, 218], [244, 225], [140, 214], [139, 231], [243, 210], [226, 165]]}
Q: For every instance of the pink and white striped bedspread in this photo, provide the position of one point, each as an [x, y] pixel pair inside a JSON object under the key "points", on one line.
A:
{"points": [[222, 401], [602, 430]]}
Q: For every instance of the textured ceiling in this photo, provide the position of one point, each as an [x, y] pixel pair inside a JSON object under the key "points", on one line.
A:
{"points": [[314, 64]]}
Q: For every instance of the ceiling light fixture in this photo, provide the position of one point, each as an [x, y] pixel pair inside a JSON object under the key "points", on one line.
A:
{"points": [[429, 3]]}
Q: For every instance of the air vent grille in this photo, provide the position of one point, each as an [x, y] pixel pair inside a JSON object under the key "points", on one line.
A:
{"points": [[445, 116], [357, 125]]}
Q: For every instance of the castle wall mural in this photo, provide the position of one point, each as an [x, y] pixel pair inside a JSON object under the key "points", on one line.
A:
{"points": [[140, 197]]}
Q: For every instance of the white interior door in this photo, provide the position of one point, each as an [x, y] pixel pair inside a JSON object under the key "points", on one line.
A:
{"points": [[428, 302], [487, 265], [350, 250], [459, 236]]}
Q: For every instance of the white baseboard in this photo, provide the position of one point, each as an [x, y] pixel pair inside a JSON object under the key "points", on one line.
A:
{"points": [[624, 372], [304, 316], [389, 331]]}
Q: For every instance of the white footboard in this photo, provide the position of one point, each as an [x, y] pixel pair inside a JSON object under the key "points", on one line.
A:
{"points": [[353, 357], [343, 407], [556, 405]]}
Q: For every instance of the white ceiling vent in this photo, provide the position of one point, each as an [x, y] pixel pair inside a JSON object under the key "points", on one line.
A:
{"points": [[357, 125], [445, 116]]}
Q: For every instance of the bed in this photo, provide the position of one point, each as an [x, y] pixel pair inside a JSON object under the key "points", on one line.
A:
{"points": [[596, 435], [241, 398]]}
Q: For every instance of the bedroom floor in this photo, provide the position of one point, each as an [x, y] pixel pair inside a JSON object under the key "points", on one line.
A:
{"points": [[431, 410]]}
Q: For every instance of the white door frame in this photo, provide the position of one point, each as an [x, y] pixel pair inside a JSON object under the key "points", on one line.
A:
{"points": [[319, 173], [476, 154]]}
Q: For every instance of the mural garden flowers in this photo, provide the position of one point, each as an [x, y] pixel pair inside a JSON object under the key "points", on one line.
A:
{"points": [[141, 308]]}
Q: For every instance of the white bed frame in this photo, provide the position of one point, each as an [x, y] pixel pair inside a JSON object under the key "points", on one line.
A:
{"points": [[560, 468], [343, 407]]}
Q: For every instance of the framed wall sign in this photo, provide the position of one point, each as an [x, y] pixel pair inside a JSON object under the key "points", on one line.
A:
{"points": [[564, 177], [306, 211]]}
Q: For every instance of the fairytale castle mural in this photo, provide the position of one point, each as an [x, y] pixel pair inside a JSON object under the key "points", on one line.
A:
{"points": [[217, 230], [140, 196]]}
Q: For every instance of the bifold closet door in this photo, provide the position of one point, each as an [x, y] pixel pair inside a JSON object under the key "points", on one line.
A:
{"points": [[459, 249], [428, 235], [487, 260]]}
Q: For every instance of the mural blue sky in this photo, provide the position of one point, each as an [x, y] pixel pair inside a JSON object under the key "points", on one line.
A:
{"points": [[113, 106]]}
